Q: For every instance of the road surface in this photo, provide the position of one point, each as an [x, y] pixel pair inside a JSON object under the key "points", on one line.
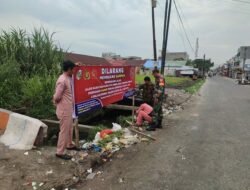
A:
{"points": [[204, 147]]}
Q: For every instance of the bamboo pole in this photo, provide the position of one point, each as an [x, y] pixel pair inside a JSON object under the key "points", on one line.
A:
{"points": [[76, 127], [143, 134], [133, 110]]}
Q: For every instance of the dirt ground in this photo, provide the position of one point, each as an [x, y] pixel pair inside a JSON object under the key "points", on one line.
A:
{"points": [[40, 169]]}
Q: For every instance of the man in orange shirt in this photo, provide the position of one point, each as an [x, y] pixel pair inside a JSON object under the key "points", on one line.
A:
{"points": [[63, 99]]}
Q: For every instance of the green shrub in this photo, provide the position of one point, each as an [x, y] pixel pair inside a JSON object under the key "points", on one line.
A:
{"points": [[10, 85], [122, 120], [37, 96]]}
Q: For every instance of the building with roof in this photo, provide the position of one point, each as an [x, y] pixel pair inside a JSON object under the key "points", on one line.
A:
{"points": [[176, 56], [172, 66], [99, 61], [86, 59]]}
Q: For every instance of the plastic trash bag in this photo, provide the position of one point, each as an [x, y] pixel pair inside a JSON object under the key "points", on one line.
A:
{"points": [[97, 137], [105, 132], [116, 127]]}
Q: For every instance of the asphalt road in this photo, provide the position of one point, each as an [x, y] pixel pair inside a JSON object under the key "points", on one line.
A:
{"points": [[204, 147]]}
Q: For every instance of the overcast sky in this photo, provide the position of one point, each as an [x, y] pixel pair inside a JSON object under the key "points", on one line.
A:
{"points": [[124, 26]]}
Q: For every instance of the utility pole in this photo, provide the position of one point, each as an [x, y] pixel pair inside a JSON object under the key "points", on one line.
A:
{"points": [[203, 66], [244, 61], [154, 2], [165, 34], [196, 48]]}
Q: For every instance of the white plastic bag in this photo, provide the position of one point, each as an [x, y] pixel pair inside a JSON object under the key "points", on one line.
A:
{"points": [[116, 127], [97, 137]]}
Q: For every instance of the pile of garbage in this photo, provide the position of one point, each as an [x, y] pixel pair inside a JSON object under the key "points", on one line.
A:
{"points": [[171, 107], [109, 141]]}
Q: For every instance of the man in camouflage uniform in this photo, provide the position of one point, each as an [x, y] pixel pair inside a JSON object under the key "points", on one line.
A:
{"points": [[159, 97], [147, 91]]}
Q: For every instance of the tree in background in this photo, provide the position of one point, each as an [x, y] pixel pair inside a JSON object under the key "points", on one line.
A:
{"points": [[201, 64]]}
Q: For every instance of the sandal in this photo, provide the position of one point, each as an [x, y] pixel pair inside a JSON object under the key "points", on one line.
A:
{"points": [[64, 156], [74, 148]]}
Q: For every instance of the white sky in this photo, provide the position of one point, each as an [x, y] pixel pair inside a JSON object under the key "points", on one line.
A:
{"points": [[124, 26]]}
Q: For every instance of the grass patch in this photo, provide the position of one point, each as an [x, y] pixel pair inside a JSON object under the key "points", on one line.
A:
{"points": [[195, 87], [171, 81]]}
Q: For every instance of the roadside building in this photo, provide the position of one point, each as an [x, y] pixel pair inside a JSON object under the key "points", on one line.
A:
{"points": [[239, 63], [172, 66], [111, 55], [176, 56], [99, 61], [186, 71]]}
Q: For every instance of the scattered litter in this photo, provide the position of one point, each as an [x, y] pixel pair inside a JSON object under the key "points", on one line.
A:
{"points": [[115, 140], [34, 185], [76, 179], [183, 157], [120, 180], [41, 184], [39, 152], [82, 141], [53, 189], [105, 132], [86, 146], [116, 127], [91, 176], [99, 172], [73, 159], [25, 184], [26, 153], [90, 170], [102, 179], [115, 149], [144, 140], [49, 172], [83, 155], [97, 137], [97, 148]]}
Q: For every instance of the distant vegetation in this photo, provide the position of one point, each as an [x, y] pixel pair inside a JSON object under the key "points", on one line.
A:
{"points": [[170, 81], [29, 66], [195, 87]]}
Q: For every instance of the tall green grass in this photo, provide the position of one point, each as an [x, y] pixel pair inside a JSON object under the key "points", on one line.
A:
{"points": [[29, 66]]}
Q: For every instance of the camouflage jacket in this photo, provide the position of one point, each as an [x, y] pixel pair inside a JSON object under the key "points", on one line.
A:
{"points": [[147, 92]]}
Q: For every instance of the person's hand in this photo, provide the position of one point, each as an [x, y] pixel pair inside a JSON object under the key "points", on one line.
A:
{"points": [[53, 101]]}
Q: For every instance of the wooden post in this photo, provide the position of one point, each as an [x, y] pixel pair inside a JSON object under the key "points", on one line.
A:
{"points": [[76, 127], [133, 111]]}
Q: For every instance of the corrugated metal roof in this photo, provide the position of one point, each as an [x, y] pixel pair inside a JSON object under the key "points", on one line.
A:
{"points": [[86, 59], [175, 63], [92, 60]]}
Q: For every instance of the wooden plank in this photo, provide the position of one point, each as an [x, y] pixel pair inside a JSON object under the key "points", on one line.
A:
{"points": [[133, 111], [143, 134], [121, 107], [76, 126], [80, 126], [138, 132]]}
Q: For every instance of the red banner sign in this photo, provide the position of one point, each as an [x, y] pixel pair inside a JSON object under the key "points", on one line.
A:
{"points": [[98, 86]]}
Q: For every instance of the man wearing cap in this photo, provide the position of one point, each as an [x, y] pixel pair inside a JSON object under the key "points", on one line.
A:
{"points": [[63, 99]]}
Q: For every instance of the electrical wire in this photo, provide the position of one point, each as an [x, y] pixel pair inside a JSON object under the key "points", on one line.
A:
{"points": [[240, 1], [176, 29], [183, 27]]}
